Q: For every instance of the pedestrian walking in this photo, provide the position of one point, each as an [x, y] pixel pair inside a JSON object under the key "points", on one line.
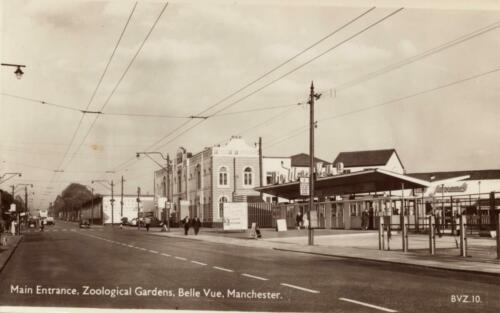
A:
{"points": [[364, 220], [147, 221], [299, 220], [196, 225], [42, 225], [438, 224], [187, 223]]}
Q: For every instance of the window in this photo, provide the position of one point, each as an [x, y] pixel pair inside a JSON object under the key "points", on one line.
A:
{"points": [[222, 200], [247, 177], [179, 181], [223, 176], [269, 178], [198, 176]]}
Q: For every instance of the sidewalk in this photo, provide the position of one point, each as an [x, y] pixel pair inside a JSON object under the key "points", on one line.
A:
{"points": [[360, 245], [7, 251]]}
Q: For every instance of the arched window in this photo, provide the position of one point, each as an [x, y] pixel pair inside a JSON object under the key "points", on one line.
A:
{"points": [[223, 181], [222, 200], [248, 176], [198, 176]]}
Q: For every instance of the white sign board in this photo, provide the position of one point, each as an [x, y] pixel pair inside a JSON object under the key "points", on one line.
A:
{"points": [[12, 207], [184, 209], [304, 186], [235, 216], [129, 208], [281, 223], [314, 219], [161, 202]]}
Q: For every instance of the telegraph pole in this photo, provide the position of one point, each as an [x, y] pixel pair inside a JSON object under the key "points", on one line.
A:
{"points": [[312, 174], [121, 198], [112, 205], [167, 193], [138, 206], [260, 164], [92, 205]]}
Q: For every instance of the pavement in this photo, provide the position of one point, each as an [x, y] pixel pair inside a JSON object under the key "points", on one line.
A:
{"points": [[7, 251], [363, 245]]}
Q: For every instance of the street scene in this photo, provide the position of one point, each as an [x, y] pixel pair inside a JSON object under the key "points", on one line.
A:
{"points": [[249, 156]]}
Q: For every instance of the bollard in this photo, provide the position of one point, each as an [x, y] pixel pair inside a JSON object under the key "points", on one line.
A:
{"points": [[404, 234], [432, 246], [406, 237], [381, 233], [463, 246]]}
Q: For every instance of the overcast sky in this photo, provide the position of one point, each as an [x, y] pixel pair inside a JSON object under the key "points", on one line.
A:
{"points": [[200, 52]]}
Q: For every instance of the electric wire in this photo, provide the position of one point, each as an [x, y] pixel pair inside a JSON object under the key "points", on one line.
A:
{"points": [[249, 84], [300, 130], [119, 81]]}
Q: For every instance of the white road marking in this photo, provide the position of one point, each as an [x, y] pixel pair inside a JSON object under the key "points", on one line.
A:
{"points": [[180, 258], [222, 269], [300, 288], [368, 305], [64, 229], [153, 251], [131, 246], [199, 263], [143, 249], [253, 276], [165, 254]]}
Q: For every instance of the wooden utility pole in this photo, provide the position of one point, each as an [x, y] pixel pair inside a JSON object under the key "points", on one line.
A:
{"points": [[260, 165], [138, 206], [121, 198], [112, 204], [312, 175]]}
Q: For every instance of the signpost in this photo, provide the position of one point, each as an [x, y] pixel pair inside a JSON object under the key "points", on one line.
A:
{"points": [[304, 186]]}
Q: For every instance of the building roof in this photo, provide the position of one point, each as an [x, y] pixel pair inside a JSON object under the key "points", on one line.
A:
{"points": [[474, 175], [372, 180], [366, 158], [302, 160]]}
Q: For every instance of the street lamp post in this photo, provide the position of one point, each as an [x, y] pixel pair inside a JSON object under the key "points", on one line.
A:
{"points": [[167, 187], [19, 72]]}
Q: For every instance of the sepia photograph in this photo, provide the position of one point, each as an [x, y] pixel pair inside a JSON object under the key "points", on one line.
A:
{"points": [[249, 156]]}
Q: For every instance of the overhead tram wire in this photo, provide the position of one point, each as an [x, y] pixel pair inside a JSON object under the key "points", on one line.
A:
{"points": [[416, 94], [119, 81], [40, 101], [420, 56], [254, 81], [427, 53], [294, 69], [98, 84]]}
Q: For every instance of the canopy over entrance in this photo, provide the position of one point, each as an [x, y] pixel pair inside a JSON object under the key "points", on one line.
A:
{"points": [[373, 180]]}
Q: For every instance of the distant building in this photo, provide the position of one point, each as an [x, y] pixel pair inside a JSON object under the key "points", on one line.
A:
{"points": [[355, 161]]}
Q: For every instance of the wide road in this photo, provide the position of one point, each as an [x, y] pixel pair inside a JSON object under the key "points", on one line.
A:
{"points": [[113, 268]]}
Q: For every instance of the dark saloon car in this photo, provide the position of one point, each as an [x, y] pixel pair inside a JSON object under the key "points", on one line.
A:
{"points": [[84, 223]]}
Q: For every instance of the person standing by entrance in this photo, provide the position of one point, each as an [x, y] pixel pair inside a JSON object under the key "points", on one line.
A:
{"points": [[364, 220], [299, 220]]}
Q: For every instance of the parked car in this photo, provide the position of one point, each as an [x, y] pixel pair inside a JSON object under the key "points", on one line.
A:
{"points": [[32, 223], [50, 221], [84, 223]]}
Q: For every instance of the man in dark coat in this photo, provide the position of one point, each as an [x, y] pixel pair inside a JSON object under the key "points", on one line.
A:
{"points": [[187, 224], [196, 225]]}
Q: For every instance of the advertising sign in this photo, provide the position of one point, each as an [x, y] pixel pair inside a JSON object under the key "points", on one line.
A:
{"points": [[12, 207], [304, 186], [314, 219], [184, 209], [235, 216], [281, 224]]}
